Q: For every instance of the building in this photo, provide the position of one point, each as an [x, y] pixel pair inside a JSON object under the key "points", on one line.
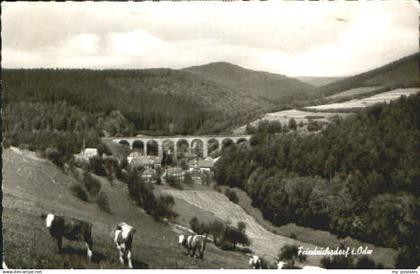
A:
{"points": [[149, 175], [133, 155], [140, 162], [136, 159], [85, 154], [206, 165], [89, 152], [156, 161], [196, 176], [176, 172]]}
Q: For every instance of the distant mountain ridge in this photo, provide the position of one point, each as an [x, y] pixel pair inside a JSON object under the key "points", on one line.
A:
{"points": [[273, 87], [318, 81], [211, 98]]}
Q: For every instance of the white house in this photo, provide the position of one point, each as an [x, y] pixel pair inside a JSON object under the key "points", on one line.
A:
{"points": [[89, 152]]}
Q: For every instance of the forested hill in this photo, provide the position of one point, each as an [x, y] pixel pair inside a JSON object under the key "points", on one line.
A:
{"points": [[273, 87], [403, 72], [358, 177], [162, 101]]}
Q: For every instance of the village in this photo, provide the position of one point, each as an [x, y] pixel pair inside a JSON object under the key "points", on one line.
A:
{"points": [[189, 166]]}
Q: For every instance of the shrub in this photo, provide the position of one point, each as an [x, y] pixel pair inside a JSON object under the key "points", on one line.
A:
{"points": [[158, 207], [292, 124], [365, 263], [163, 208], [103, 202], [225, 236], [242, 226], [235, 236], [337, 262], [93, 186], [96, 166], [199, 228], [103, 149], [231, 194], [159, 176], [111, 167], [80, 192], [188, 178], [289, 253], [174, 182], [55, 156], [313, 125]]}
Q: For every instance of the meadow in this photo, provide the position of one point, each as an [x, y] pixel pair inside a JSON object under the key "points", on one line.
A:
{"points": [[384, 97], [32, 186]]}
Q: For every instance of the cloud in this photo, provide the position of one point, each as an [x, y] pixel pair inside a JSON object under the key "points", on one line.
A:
{"points": [[292, 38]]}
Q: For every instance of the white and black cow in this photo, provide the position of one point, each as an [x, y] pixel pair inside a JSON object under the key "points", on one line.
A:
{"points": [[193, 243], [255, 262], [72, 229], [281, 265], [123, 238]]}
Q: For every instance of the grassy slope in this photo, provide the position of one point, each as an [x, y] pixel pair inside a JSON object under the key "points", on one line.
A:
{"points": [[402, 71], [264, 242], [267, 238], [273, 87], [309, 235], [32, 186]]}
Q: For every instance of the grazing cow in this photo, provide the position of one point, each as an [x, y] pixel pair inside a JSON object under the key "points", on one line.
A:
{"points": [[123, 238], [281, 264], [311, 267], [255, 262], [193, 243], [71, 229]]}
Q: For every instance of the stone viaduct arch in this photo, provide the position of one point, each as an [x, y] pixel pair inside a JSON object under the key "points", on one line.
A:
{"points": [[202, 144]]}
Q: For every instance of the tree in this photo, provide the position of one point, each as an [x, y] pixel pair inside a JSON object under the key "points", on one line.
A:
{"points": [[337, 262], [184, 165], [235, 236], [289, 253], [365, 263], [231, 194], [242, 226], [188, 178], [292, 124]]}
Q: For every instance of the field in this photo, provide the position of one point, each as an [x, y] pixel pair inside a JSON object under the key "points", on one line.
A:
{"points": [[285, 115], [384, 97], [353, 92], [264, 242], [32, 186]]}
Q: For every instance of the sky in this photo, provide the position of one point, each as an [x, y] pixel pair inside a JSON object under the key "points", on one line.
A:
{"points": [[291, 38]]}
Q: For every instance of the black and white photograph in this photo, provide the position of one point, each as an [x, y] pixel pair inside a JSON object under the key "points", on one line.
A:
{"points": [[210, 135]]}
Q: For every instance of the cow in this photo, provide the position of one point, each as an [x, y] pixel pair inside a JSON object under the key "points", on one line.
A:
{"points": [[281, 264], [255, 262], [123, 238], [72, 229], [311, 267], [193, 243]]}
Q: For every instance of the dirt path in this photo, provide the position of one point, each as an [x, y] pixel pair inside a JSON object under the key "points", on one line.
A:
{"points": [[264, 242]]}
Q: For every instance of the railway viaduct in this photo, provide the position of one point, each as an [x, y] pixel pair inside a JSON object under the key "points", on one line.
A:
{"points": [[172, 143]]}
